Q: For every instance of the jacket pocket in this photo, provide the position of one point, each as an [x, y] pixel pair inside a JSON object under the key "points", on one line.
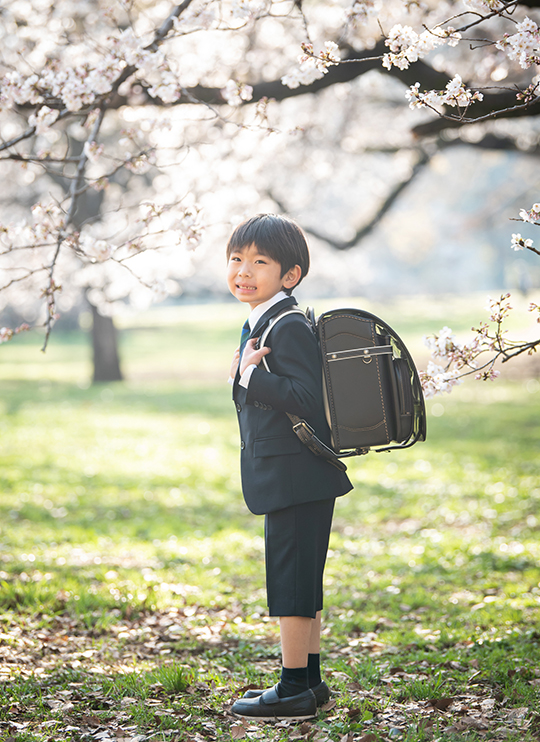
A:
{"points": [[276, 446]]}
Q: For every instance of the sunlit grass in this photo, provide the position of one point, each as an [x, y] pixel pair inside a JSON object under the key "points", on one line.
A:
{"points": [[122, 502]]}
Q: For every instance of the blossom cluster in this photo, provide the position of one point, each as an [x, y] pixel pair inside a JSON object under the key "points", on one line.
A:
{"points": [[97, 250], [519, 242], [311, 66], [362, 10], [445, 346], [461, 359], [48, 221], [483, 6], [435, 380], [533, 215], [407, 46], [246, 9], [455, 94], [186, 222], [43, 119], [524, 45], [498, 309], [236, 93], [195, 19], [80, 86], [190, 227], [6, 333], [535, 308]]}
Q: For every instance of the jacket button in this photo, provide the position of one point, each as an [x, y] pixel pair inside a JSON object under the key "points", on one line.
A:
{"points": [[256, 404], [238, 407], [269, 407], [242, 445]]}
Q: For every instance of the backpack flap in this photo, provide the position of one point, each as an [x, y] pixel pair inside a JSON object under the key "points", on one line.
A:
{"points": [[357, 372], [373, 393]]}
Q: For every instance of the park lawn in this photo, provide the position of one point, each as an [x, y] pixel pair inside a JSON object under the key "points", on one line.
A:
{"points": [[132, 602]]}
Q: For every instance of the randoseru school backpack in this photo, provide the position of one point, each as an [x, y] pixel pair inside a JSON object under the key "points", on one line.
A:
{"points": [[372, 392]]}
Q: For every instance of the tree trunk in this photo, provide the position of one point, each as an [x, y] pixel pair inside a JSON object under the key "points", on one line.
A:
{"points": [[105, 348]]}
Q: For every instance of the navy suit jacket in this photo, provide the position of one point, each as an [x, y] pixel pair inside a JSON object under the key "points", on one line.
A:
{"points": [[277, 469]]}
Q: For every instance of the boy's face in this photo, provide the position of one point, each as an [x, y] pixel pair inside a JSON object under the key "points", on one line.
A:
{"points": [[254, 278]]}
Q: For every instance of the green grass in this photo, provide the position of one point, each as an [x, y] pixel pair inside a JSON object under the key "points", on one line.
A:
{"points": [[131, 574]]}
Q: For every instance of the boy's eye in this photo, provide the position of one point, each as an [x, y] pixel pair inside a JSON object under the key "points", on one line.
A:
{"points": [[260, 260]]}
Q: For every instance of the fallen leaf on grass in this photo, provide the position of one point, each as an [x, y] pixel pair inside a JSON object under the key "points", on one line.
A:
{"points": [[470, 722], [487, 704], [244, 688], [347, 737], [329, 705], [441, 703], [127, 701], [518, 713], [91, 720], [238, 731], [369, 737]]}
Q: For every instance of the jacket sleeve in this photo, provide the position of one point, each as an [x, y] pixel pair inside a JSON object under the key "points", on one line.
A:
{"points": [[294, 383]]}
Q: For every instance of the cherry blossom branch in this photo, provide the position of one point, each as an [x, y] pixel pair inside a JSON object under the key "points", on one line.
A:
{"points": [[461, 359], [28, 274]]}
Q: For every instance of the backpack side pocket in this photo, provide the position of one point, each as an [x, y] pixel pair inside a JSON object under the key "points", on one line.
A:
{"points": [[404, 405]]}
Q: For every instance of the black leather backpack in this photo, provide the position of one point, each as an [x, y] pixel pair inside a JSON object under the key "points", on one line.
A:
{"points": [[372, 392]]}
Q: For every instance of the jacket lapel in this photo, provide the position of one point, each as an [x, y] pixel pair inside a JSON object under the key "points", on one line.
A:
{"points": [[290, 301]]}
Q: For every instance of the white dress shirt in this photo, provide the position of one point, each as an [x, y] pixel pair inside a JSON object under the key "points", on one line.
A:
{"points": [[253, 318]]}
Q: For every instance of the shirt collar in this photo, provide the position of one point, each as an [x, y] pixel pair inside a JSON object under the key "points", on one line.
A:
{"points": [[260, 309]]}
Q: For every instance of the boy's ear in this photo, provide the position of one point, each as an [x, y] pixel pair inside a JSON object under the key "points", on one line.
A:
{"points": [[292, 277]]}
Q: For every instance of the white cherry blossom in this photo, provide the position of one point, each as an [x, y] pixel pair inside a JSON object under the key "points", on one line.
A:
{"points": [[435, 380], [236, 93], [524, 45], [99, 250], [362, 10], [43, 119], [311, 66], [455, 94], [518, 242]]}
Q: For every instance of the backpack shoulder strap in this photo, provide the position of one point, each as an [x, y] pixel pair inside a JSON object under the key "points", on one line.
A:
{"points": [[273, 322]]}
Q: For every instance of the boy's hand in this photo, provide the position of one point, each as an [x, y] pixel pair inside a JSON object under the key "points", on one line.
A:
{"points": [[234, 364], [251, 356]]}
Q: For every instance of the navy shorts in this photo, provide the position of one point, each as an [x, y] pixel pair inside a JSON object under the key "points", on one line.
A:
{"points": [[296, 544]]}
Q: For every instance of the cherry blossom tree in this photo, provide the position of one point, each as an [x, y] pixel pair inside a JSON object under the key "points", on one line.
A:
{"points": [[120, 117]]}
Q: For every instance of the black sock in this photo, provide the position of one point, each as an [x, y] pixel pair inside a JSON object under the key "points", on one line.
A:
{"points": [[294, 680], [314, 669]]}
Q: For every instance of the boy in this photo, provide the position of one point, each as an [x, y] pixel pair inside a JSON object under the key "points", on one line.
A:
{"points": [[281, 478]]}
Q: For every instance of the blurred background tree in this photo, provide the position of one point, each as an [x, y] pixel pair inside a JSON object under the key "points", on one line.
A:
{"points": [[133, 132]]}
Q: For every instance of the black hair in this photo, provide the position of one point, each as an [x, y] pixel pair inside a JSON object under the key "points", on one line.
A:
{"points": [[277, 237]]}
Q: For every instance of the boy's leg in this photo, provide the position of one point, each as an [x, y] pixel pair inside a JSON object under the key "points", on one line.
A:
{"points": [[300, 637], [295, 640], [297, 633], [295, 637]]}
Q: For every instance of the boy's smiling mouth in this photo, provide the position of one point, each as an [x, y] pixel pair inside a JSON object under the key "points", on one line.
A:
{"points": [[245, 288]]}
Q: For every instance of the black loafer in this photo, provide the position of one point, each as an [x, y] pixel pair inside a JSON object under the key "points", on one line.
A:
{"points": [[268, 706], [321, 691]]}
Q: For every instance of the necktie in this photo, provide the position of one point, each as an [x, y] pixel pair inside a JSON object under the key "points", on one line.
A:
{"points": [[246, 332]]}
